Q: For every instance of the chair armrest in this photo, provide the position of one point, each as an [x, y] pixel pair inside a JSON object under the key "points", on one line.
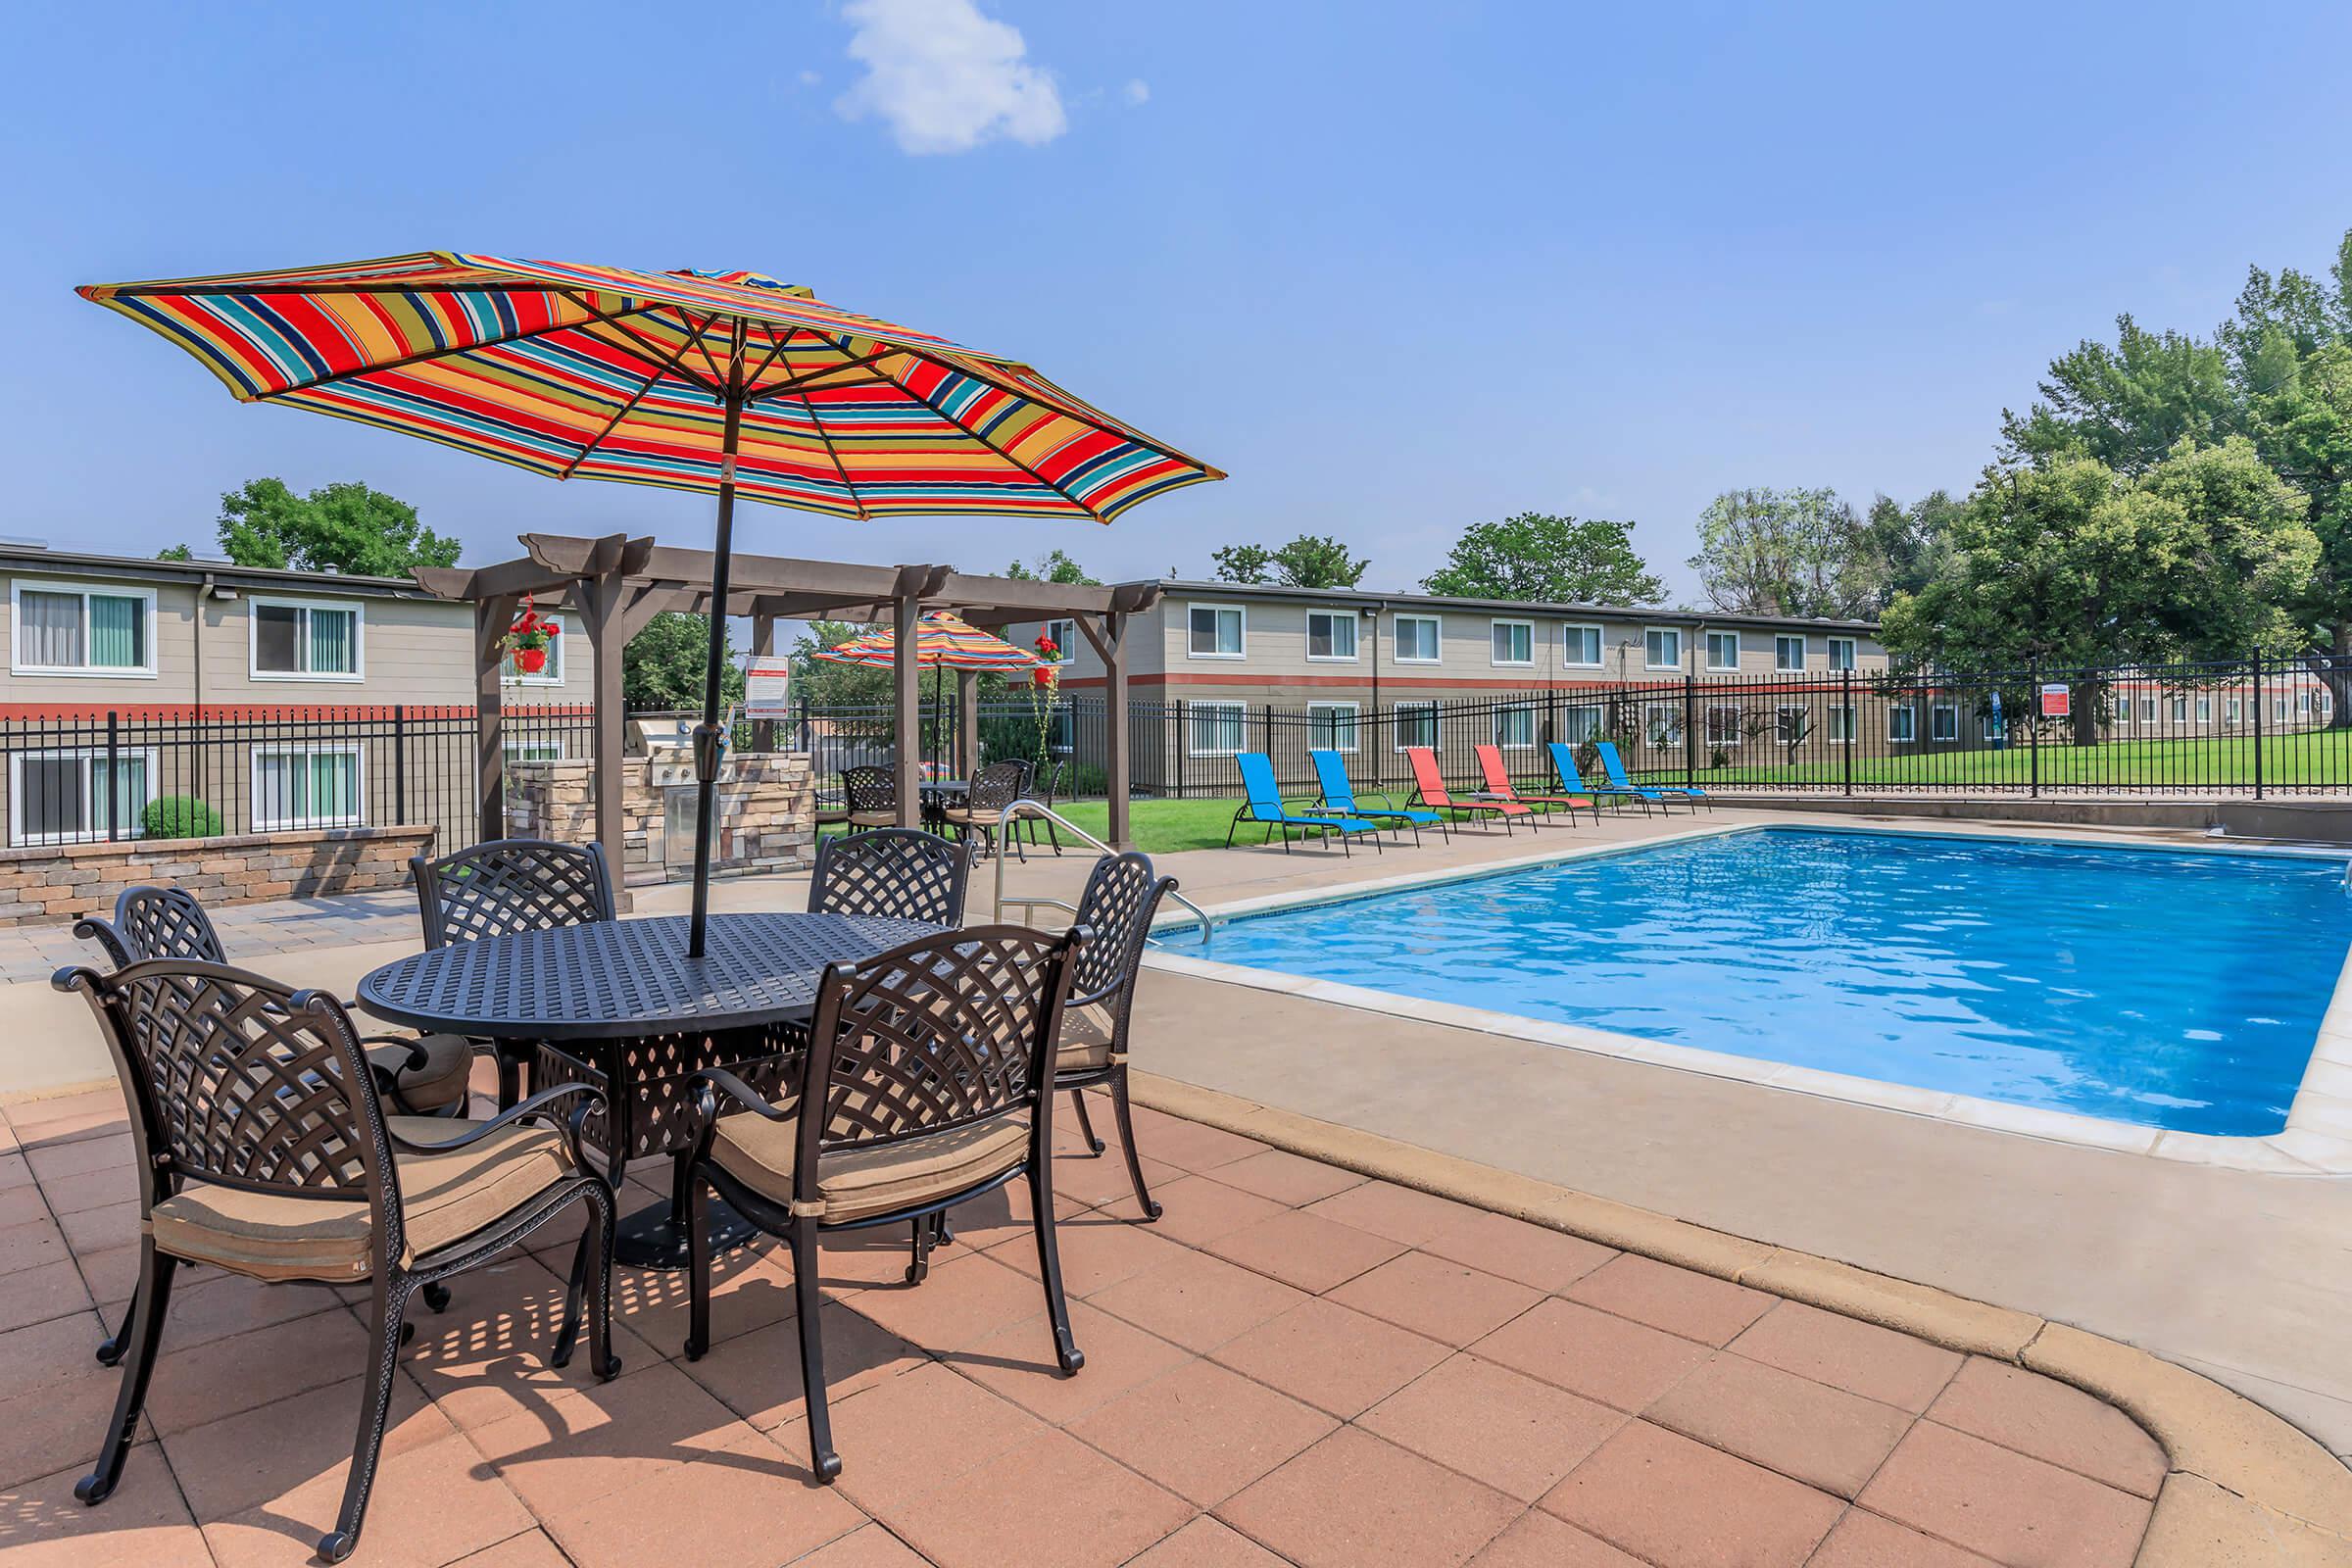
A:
{"points": [[712, 1082], [1093, 996], [538, 1107], [415, 1044]]}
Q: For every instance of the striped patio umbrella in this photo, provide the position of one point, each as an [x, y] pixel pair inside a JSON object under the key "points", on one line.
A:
{"points": [[727, 382], [943, 640]]}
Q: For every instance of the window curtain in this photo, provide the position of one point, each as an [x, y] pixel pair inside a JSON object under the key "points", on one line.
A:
{"points": [[127, 801], [117, 632], [332, 779], [49, 629], [333, 643]]}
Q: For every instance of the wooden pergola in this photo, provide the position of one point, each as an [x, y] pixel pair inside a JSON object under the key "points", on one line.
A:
{"points": [[616, 584]]}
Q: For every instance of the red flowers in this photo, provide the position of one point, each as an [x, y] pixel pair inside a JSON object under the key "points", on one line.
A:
{"points": [[1042, 675], [1046, 645], [527, 639]]}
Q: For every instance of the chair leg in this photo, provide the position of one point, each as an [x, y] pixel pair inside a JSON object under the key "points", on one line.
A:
{"points": [[1134, 1165], [1049, 1257], [138, 1364], [604, 1219], [375, 1404], [918, 1266], [436, 1296], [111, 1348], [510, 1081], [1086, 1128], [698, 1269], [810, 1302]]}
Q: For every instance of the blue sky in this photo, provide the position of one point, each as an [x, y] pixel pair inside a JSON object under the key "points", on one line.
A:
{"points": [[1397, 268]]}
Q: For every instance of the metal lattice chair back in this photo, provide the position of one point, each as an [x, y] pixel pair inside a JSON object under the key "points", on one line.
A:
{"points": [[509, 885], [935, 1035], [896, 872], [995, 787], [869, 789], [1121, 897], [242, 1081], [153, 922]]}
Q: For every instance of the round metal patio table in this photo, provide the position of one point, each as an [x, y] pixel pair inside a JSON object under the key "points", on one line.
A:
{"points": [[618, 1004]]}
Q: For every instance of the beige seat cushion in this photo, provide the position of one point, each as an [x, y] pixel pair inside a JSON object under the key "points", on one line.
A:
{"points": [[857, 1183], [873, 819], [1086, 1035], [440, 1082], [444, 1199], [965, 816]]}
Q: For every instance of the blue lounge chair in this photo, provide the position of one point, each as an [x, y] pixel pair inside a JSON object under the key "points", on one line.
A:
{"points": [[1563, 763], [1265, 805], [1614, 766], [1338, 796]]}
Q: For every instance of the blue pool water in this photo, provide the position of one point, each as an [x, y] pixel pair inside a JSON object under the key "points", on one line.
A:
{"points": [[2167, 990]]}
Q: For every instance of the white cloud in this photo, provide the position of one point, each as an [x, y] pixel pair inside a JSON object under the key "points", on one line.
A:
{"points": [[947, 79], [1138, 91]]}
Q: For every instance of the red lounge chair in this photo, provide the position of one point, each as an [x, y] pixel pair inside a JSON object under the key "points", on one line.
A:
{"points": [[1499, 788], [1429, 789]]}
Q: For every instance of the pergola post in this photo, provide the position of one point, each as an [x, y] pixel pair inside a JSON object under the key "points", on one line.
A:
{"points": [[601, 599], [492, 617], [907, 692], [1110, 640], [967, 722], [764, 646]]}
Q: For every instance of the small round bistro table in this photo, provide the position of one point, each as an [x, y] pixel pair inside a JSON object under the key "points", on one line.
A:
{"points": [[620, 1004]]}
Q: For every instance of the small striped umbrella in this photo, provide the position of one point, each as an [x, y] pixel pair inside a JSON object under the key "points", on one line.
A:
{"points": [[943, 640], [725, 382]]}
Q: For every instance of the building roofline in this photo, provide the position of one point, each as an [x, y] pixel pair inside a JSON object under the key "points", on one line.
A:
{"points": [[1193, 588], [40, 561]]}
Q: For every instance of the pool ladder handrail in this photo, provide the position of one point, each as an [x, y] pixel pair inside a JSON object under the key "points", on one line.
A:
{"points": [[1040, 811]]}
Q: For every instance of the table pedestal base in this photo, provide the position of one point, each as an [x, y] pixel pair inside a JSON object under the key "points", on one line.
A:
{"points": [[655, 1235]]}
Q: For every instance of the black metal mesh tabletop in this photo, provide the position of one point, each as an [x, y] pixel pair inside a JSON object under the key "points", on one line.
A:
{"points": [[617, 979]]}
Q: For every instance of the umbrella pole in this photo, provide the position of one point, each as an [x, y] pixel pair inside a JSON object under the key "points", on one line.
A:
{"points": [[706, 735]]}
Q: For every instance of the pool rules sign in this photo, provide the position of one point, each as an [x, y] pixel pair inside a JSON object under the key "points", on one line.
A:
{"points": [[767, 687], [2057, 700]]}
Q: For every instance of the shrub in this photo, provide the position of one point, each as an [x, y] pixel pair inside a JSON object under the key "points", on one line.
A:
{"points": [[179, 816]]}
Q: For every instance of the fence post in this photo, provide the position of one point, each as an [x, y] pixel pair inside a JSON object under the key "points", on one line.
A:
{"points": [[1183, 747], [400, 764], [2033, 727], [1689, 732], [2257, 666], [1847, 717], [114, 775]]}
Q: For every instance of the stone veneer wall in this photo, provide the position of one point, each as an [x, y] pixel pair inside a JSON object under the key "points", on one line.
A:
{"points": [[767, 814], [54, 882]]}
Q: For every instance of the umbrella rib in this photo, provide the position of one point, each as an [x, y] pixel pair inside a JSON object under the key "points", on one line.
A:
{"points": [[776, 346], [407, 360], [826, 436], [998, 450], [782, 388], [694, 335], [620, 414], [652, 349]]}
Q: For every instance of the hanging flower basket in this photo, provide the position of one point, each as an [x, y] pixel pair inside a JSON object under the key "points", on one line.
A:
{"points": [[529, 639]]}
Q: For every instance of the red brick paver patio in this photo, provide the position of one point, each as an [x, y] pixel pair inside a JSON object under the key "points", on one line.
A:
{"points": [[1296, 1365]]}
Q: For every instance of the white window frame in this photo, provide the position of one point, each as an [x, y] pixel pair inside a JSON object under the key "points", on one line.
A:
{"points": [[1600, 645], [1600, 722], [20, 837], [1649, 656], [1908, 711], [2303, 702], [1781, 725], [1779, 652], [2180, 707], [1936, 713], [1399, 742], [1671, 737], [1739, 732], [1241, 619], [2279, 707], [2204, 708], [17, 589], [355, 750], [1062, 634], [1497, 624], [1843, 723], [553, 674], [1336, 618], [1733, 665], [2236, 711], [553, 745], [1513, 711], [359, 640], [1437, 639], [1353, 724], [1846, 653], [2147, 710], [1192, 728]]}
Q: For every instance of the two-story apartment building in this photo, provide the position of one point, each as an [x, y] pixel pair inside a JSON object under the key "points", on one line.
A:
{"points": [[277, 699]]}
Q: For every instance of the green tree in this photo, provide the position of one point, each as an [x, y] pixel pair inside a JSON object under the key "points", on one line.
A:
{"points": [[180, 552], [1537, 556], [1310, 561], [829, 684], [1054, 566], [336, 527], [2126, 407], [1784, 552], [665, 665], [1902, 549]]}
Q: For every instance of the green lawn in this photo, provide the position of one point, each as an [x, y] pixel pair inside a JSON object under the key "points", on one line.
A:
{"points": [[1162, 828], [2307, 757]]}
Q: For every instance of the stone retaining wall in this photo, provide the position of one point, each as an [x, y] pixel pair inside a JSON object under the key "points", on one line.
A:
{"points": [[50, 883], [767, 813]]}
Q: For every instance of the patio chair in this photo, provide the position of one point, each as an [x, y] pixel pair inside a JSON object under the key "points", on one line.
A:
{"points": [[1339, 795], [1031, 825], [1501, 788], [1115, 910], [993, 791], [507, 885], [896, 872], [1614, 765], [872, 794], [1264, 803], [262, 1149], [1429, 791], [930, 1069], [1572, 780]]}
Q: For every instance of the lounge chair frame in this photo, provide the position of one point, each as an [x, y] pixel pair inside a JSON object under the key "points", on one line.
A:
{"points": [[1427, 773], [1500, 787], [1293, 815], [1397, 817]]}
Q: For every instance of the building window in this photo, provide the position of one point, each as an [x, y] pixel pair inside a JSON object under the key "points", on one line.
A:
{"points": [[1217, 728], [2236, 711], [1062, 634], [2278, 706], [1790, 723], [1580, 647], [1944, 722], [1331, 634], [1662, 725], [1216, 631], [1514, 642], [1722, 650], [2204, 708], [1583, 723], [73, 796], [1662, 647], [65, 630], [297, 641], [2302, 705], [1417, 639], [1842, 652], [1515, 728], [1416, 724], [2179, 709], [304, 787], [1902, 724], [1330, 726], [1842, 724], [2147, 710], [1724, 724], [546, 751], [1788, 653]]}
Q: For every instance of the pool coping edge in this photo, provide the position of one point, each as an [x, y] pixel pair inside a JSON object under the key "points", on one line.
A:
{"points": [[2241, 1475]]}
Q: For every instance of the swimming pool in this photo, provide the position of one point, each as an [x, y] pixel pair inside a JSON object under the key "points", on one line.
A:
{"points": [[2181, 991]]}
